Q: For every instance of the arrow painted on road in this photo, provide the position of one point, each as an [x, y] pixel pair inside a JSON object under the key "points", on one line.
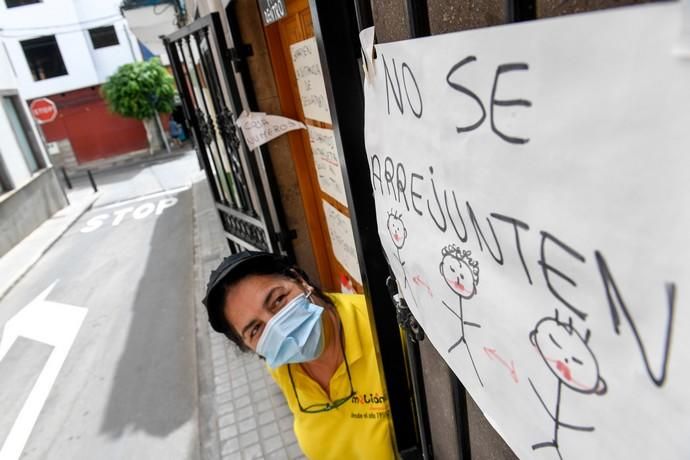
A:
{"points": [[52, 323], [492, 354]]}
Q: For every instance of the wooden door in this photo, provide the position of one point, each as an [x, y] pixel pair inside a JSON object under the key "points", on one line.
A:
{"points": [[294, 28]]}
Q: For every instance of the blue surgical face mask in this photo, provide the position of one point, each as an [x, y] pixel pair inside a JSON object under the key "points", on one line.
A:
{"points": [[293, 335]]}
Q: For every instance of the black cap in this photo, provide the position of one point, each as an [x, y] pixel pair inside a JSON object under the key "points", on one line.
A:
{"points": [[231, 268]]}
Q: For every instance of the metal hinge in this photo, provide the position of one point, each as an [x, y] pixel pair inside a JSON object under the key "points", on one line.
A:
{"points": [[241, 52], [406, 319]]}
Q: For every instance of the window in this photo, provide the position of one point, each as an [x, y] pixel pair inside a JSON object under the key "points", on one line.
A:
{"points": [[103, 36], [22, 131], [44, 58], [13, 3]]}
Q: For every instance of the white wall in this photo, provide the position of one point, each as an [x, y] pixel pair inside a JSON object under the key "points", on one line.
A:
{"points": [[10, 151], [148, 25], [69, 21], [8, 79], [107, 60], [11, 154], [90, 9]]}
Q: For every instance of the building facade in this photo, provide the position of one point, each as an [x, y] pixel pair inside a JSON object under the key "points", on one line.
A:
{"points": [[64, 50], [29, 189]]}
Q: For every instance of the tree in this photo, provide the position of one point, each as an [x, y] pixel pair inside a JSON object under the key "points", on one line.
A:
{"points": [[141, 90]]}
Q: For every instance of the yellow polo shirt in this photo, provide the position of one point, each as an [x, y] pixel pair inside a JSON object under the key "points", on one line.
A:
{"points": [[360, 428]]}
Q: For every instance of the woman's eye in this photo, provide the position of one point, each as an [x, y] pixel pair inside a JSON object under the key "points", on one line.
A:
{"points": [[452, 269], [254, 331]]}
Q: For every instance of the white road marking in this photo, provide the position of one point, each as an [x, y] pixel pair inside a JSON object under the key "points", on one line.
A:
{"points": [[55, 324], [164, 204], [120, 215], [144, 210], [145, 197], [140, 212]]}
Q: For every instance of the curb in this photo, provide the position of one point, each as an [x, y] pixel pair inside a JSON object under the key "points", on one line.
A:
{"points": [[209, 437], [15, 278]]}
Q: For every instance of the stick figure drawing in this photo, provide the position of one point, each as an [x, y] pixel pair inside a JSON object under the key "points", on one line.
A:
{"points": [[397, 231], [398, 234], [461, 274], [570, 359]]}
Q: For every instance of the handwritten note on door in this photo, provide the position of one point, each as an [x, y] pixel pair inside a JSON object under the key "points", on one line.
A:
{"points": [[342, 240], [327, 163], [312, 89]]}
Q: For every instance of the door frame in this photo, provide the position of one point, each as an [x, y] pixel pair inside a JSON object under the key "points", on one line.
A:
{"points": [[336, 28]]}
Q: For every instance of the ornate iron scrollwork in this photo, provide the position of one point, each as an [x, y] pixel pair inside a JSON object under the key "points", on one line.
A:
{"points": [[205, 126], [405, 318], [228, 129], [246, 231]]}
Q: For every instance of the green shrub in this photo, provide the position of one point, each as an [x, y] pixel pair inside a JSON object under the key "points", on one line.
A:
{"points": [[140, 90]]}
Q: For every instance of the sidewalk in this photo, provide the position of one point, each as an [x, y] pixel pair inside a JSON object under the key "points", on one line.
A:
{"points": [[18, 260], [242, 412]]}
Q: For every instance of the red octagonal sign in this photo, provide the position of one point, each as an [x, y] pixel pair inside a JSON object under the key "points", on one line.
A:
{"points": [[44, 110]]}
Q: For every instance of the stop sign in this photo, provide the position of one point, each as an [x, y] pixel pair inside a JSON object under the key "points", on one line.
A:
{"points": [[44, 110]]}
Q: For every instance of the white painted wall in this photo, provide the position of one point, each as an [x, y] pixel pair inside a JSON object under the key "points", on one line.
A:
{"points": [[11, 154], [148, 25], [69, 21], [10, 151], [107, 60], [8, 79]]}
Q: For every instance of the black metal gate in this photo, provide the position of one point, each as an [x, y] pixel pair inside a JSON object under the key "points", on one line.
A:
{"points": [[211, 86]]}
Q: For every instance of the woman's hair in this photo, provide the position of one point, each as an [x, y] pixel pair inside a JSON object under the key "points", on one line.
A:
{"points": [[259, 266]]}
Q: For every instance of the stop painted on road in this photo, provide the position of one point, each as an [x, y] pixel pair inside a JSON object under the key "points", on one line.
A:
{"points": [[142, 211]]}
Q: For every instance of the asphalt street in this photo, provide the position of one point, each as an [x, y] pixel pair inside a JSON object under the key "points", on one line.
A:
{"points": [[105, 349]]}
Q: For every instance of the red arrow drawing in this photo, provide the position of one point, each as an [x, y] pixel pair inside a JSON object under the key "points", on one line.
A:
{"points": [[492, 354], [420, 282]]}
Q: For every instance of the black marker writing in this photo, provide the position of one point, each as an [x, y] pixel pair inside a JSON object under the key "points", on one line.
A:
{"points": [[463, 90], [394, 87], [507, 103], [615, 299], [516, 224], [548, 269]]}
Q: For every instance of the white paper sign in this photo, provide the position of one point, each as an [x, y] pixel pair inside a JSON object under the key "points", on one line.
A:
{"points": [[342, 240], [531, 186], [259, 128], [312, 89], [366, 37], [327, 163]]}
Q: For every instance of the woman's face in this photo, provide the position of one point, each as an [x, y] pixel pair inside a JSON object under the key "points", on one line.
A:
{"points": [[254, 300]]}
